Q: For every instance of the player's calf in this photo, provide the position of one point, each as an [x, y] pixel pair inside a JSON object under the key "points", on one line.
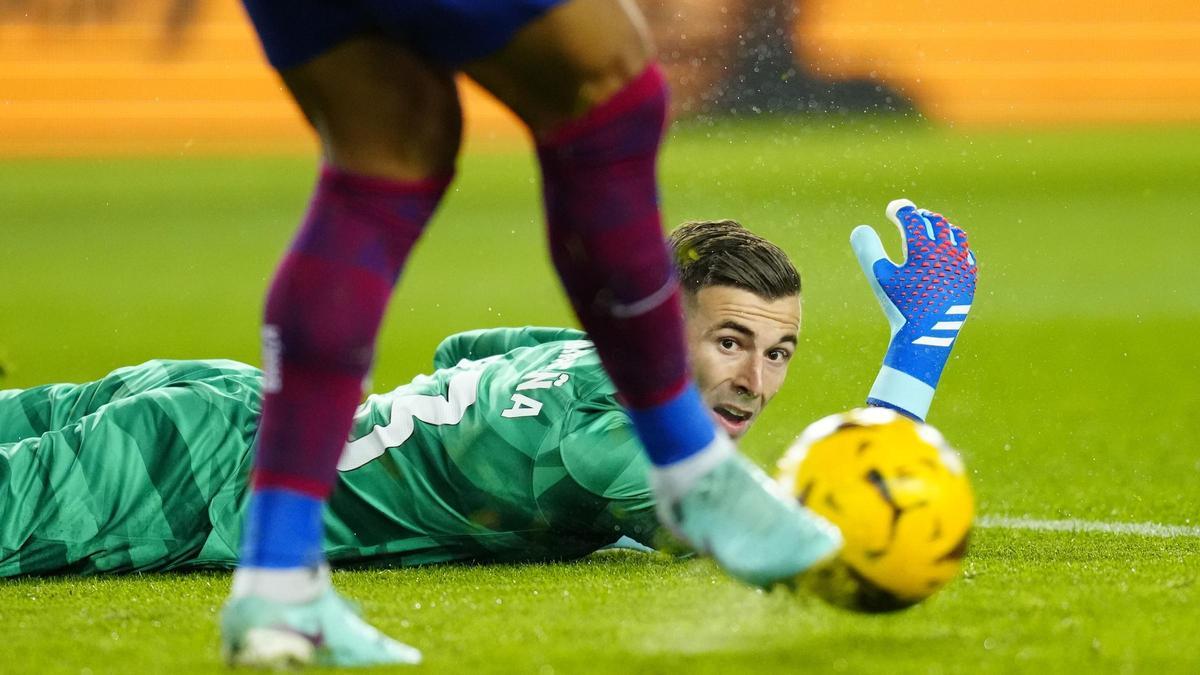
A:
{"points": [[323, 312], [606, 242]]}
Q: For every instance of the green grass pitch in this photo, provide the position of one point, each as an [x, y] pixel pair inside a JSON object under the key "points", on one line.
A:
{"points": [[1074, 393]]}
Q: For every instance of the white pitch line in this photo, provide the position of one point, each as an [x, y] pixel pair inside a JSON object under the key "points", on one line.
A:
{"points": [[1076, 525]]}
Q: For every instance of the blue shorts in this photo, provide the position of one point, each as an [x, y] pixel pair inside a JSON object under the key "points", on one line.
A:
{"points": [[447, 32]]}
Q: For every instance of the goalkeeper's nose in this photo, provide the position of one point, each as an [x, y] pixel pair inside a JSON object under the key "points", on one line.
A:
{"points": [[748, 381]]}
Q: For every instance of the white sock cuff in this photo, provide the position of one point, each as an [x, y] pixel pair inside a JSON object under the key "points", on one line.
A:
{"points": [[291, 584], [674, 480]]}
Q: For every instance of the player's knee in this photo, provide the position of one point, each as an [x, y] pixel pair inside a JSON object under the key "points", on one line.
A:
{"points": [[598, 85], [627, 125], [413, 146], [420, 144], [571, 60], [647, 86], [380, 110]]}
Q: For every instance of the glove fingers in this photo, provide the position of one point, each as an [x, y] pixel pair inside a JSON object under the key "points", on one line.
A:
{"points": [[961, 236], [943, 231], [894, 208], [869, 250], [916, 231]]}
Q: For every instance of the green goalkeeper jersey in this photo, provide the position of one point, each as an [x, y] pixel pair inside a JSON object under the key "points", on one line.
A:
{"points": [[514, 449]]}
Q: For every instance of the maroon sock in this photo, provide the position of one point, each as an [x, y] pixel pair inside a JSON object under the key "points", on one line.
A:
{"points": [[607, 242], [323, 312]]}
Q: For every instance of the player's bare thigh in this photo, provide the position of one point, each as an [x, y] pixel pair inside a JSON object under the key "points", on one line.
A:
{"points": [[379, 109], [565, 62]]}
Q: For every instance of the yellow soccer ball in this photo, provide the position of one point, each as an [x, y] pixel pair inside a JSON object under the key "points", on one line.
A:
{"points": [[900, 496]]}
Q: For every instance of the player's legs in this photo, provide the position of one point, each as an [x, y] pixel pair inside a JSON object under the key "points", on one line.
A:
{"points": [[389, 127], [380, 110], [555, 70], [597, 108]]}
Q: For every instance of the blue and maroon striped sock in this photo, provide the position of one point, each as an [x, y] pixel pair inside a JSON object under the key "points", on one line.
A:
{"points": [[322, 315], [607, 243]]}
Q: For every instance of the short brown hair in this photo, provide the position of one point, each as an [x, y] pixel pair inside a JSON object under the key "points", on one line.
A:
{"points": [[723, 253]]}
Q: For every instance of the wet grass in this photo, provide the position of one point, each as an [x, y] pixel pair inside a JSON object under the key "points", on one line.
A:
{"points": [[1074, 392]]}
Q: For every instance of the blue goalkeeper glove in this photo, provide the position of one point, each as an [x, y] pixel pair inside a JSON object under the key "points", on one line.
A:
{"points": [[925, 299]]}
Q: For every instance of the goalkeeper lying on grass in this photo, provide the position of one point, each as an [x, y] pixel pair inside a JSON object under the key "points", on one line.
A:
{"points": [[514, 449]]}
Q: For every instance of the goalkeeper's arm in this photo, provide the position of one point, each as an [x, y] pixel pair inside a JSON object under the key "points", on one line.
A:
{"points": [[926, 300]]}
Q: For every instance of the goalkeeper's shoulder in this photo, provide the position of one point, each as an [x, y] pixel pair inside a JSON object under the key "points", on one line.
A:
{"points": [[485, 342], [165, 372], [204, 368], [174, 370]]}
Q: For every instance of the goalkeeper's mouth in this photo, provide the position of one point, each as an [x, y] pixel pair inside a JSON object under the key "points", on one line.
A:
{"points": [[734, 420]]}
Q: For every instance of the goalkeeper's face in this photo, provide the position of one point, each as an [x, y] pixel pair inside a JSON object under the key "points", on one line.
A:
{"points": [[740, 346]]}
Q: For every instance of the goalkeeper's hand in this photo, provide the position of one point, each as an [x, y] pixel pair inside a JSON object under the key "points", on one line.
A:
{"points": [[925, 299]]}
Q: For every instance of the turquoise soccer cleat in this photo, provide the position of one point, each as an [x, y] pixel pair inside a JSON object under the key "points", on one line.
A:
{"points": [[735, 514], [261, 633]]}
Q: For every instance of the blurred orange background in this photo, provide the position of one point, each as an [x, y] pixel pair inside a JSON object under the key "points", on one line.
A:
{"points": [[129, 82]]}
